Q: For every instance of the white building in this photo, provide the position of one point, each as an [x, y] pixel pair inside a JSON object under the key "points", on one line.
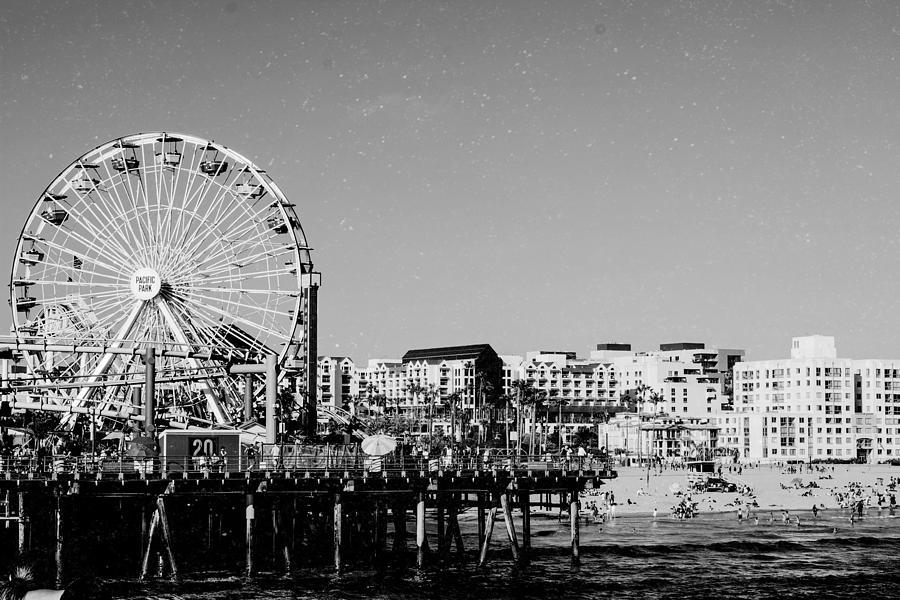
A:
{"points": [[336, 381], [815, 405], [683, 379]]}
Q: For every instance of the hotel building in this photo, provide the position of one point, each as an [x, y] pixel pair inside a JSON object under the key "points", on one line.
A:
{"points": [[815, 405]]}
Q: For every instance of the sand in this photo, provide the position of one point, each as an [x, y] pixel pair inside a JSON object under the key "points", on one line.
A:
{"points": [[766, 483]]}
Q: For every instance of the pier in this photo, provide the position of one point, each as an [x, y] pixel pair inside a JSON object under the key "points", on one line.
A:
{"points": [[136, 519]]}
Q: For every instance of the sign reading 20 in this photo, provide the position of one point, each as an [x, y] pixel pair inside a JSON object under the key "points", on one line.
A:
{"points": [[203, 446]]}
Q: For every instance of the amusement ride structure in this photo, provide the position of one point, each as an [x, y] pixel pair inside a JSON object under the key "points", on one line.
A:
{"points": [[163, 257]]}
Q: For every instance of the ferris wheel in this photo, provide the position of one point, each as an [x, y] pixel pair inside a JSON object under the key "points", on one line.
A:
{"points": [[158, 240]]}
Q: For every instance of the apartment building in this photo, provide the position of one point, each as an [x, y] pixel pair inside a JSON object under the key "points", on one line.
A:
{"points": [[336, 381], [381, 382], [815, 405], [684, 379]]}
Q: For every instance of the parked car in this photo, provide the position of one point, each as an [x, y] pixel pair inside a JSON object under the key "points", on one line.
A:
{"points": [[717, 484]]}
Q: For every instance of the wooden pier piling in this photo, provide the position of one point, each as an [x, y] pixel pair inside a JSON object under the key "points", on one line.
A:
{"points": [[23, 526], [574, 522], [421, 540], [338, 531], [250, 517], [510, 526], [168, 540], [492, 515], [59, 554], [525, 506], [479, 499]]}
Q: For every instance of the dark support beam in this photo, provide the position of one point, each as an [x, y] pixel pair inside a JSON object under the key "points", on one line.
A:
{"points": [[250, 517], [312, 324], [525, 505], [168, 540], [271, 364], [479, 500], [455, 530], [146, 534], [482, 559], [399, 510], [59, 555], [573, 519], [248, 398], [338, 531], [421, 540], [150, 392], [23, 526], [441, 530], [145, 563], [510, 526]]}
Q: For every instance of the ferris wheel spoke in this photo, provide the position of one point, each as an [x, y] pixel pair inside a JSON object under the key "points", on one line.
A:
{"points": [[187, 197], [135, 197], [215, 327], [59, 299], [91, 246], [200, 307], [74, 254], [167, 209], [106, 358], [178, 331], [71, 270], [198, 218], [134, 230], [109, 231], [243, 261], [88, 224], [243, 224], [245, 277], [249, 305], [76, 283], [231, 290]]}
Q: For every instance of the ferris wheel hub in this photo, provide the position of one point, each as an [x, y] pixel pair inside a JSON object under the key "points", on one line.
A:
{"points": [[145, 283]]}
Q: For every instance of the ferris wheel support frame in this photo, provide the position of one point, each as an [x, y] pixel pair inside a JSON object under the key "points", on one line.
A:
{"points": [[212, 399]]}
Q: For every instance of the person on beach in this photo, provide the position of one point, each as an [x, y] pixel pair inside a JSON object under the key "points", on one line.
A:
{"points": [[815, 511]]}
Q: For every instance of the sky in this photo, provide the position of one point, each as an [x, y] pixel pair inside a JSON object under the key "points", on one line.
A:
{"points": [[529, 174]]}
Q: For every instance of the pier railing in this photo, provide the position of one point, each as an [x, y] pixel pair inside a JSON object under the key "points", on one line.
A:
{"points": [[324, 462]]}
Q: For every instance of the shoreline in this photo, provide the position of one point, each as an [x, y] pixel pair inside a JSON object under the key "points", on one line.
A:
{"points": [[773, 489]]}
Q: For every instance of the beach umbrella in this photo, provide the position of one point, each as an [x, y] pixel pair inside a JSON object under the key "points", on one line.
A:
{"points": [[796, 481], [114, 435], [378, 445]]}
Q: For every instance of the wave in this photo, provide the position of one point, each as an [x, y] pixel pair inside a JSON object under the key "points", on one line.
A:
{"points": [[756, 548]]}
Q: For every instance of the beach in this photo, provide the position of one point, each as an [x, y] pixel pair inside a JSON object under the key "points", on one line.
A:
{"points": [[774, 488]]}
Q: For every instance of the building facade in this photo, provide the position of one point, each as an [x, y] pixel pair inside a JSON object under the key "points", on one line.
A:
{"points": [[815, 406]]}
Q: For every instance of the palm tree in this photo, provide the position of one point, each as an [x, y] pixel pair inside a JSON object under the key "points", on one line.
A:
{"points": [[559, 401], [430, 396], [414, 390], [453, 401], [524, 392], [505, 401], [538, 399]]}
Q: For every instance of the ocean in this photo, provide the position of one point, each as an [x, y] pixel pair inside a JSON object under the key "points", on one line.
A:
{"points": [[711, 556]]}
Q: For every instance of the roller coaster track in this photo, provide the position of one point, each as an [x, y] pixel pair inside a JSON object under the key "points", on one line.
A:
{"points": [[342, 417]]}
